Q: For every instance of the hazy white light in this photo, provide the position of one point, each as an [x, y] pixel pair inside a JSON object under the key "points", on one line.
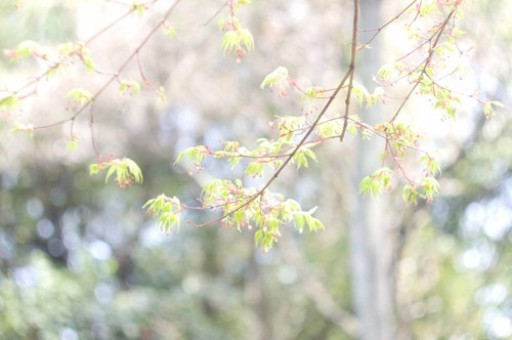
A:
{"points": [[100, 250], [498, 325]]}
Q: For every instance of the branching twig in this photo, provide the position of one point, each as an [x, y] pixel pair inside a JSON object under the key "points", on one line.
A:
{"points": [[119, 70], [423, 72]]}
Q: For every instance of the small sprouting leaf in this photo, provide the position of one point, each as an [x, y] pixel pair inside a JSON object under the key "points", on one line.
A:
{"points": [[277, 76], [430, 188], [410, 194], [254, 169], [230, 41], [9, 101], [373, 98], [125, 170], [25, 49], [94, 169], [360, 92], [72, 145], [489, 108], [129, 86], [195, 153], [166, 209], [170, 31], [432, 165], [385, 72], [139, 7], [299, 221], [246, 39], [80, 95], [370, 186], [301, 157], [89, 63], [27, 128]]}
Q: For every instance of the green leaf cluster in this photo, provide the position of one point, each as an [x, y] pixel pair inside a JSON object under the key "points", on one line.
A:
{"points": [[427, 188], [247, 208], [25, 49], [237, 39], [80, 95], [379, 181], [167, 210], [277, 78], [302, 155], [401, 135], [197, 154], [126, 171], [129, 86]]}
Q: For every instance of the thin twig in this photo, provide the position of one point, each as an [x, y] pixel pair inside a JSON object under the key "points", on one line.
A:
{"points": [[351, 69], [379, 30]]}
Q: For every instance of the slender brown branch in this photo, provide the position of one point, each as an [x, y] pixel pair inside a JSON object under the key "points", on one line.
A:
{"points": [[381, 28], [352, 67], [91, 128], [109, 26], [216, 13]]}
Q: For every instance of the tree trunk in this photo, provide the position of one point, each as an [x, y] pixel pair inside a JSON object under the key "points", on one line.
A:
{"points": [[369, 234]]}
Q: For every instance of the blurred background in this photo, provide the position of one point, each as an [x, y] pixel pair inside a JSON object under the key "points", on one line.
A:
{"points": [[81, 260]]}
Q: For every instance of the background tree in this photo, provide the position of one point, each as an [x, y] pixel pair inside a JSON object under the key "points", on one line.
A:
{"points": [[212, 283]]}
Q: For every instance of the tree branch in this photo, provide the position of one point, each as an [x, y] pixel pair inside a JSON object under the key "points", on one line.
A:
{"points": [[352, 68]]}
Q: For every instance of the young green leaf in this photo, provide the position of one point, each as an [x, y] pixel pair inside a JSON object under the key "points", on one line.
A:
{"points": [[275, 77]]}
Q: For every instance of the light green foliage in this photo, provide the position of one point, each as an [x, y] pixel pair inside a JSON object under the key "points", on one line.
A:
{"points": [[239, 40], [489, 108], [310, 99], [236, 38], [380, 180], [277, 78], [242, 207], [25, 49], [167, 210], [129, 86], [72, 145], [302, 155], [360, 92], [289, 126], [427, 189], [9, 102], [126, 171], [432, 165], [196, 153], [332, 128], [80, 95], [410, 194], [27, 128], [400, 135], [376, 96], [139, 7], [169, 31], [85, 56]]}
